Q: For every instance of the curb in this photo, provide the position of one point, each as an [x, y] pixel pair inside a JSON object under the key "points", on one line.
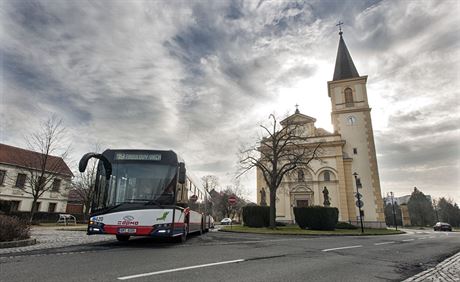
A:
{"points": [[309, 235], [19, 243], [440, 270]]}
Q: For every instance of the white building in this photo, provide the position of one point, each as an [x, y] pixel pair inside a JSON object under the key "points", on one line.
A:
{"points": [[16, 165]]}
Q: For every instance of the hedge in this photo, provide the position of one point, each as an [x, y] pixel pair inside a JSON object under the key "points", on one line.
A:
{"points": [[256, 216], [316, 217]]}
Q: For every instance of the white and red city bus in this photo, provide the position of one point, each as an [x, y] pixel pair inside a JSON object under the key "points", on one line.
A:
{"points": [[146, 193]]}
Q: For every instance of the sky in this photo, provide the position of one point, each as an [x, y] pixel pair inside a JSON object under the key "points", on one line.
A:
{"points": [[199, 77]]}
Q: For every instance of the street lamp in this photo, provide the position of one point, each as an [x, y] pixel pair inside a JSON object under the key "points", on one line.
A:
{"points": [[359, 203], [394, 212]]}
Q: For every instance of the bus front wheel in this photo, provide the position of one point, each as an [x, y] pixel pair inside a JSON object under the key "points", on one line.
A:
{"points": [[122, 238], [183, 236]]}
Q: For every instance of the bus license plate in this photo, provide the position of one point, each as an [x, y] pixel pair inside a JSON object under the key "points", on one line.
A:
{"points": [[127, 230]]}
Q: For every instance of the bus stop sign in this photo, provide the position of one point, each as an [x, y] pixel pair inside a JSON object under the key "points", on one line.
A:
{"points": [[232, 200]]}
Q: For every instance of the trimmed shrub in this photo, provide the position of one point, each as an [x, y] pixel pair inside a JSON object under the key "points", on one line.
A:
{"points": [[13, 228], [316, 218], [345, 225], [278, 223], [256, 216]]}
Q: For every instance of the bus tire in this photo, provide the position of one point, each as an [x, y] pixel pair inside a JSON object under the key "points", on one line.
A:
{"points": [[122, 238], [183, 237]]}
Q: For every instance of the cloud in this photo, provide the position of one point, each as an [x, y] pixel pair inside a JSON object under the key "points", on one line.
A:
{"points": [[200, 77]]}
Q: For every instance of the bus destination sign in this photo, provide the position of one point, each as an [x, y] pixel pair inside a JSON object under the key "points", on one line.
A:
{"points": [[137, 157]]}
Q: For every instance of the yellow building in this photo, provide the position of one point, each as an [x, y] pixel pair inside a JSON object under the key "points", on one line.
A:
{"points": [[348, 150]]}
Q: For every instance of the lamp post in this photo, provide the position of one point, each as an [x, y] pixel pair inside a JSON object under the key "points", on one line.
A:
{"points": [[358, 196], [394, 212]]}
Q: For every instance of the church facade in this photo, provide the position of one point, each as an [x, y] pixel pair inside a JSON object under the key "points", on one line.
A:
{"points": [[347, 156]]}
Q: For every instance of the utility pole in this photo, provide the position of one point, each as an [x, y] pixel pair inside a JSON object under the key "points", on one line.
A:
{"points": [[359, 203], [394, 212], [435, 205]]}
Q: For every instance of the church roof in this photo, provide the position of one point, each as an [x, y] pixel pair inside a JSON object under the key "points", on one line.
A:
{"points": [[297, 118], [344, 66]]}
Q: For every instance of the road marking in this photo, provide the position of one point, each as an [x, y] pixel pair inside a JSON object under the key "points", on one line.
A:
{"points": [[408, 240], [431, 237], [179, 269], [341, 248], [384, 243], [423, 238]]}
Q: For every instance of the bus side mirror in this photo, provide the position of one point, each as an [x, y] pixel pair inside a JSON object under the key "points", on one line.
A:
{"points": [[86, 157], [182, 173]]}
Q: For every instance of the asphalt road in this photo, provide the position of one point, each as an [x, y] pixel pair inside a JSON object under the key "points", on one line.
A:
{"points": [[219, 256]]}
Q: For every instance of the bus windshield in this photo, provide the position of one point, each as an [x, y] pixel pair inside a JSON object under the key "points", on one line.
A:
{"points": [[140, 182]]}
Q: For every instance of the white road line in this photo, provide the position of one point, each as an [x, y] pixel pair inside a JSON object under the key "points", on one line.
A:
{"points": [[407, 240], [431, 237], [423, 238], [384, 243], [178, 269], [341, 248]]}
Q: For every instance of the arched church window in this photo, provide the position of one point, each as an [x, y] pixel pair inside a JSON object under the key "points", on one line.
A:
{"points": [[300, 175], [327, 176], [348, 97]]}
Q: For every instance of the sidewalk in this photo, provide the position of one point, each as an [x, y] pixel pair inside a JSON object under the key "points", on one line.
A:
{"points": [[57, 236], [448, 270]]}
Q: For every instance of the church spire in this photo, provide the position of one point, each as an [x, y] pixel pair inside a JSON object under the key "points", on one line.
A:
{"points": [[344, 66]]}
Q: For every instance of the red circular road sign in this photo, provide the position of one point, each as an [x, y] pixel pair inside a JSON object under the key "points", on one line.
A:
{"points": [[232, 200]]}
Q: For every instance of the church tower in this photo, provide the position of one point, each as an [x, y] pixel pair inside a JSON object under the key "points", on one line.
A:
{"points": [[352, 120]]}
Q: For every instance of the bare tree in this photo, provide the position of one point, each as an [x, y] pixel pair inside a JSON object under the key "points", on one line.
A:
{"points": [[84, 183], [224, 208], [210, 182], [278, 154], [46, 164]]}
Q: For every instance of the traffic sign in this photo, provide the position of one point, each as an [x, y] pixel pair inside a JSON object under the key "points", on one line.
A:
{"points": [[358, 196], [232, 200], [193, 198], [359, 204]]}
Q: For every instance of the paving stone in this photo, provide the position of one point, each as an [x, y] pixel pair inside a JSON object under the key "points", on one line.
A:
{"points": [[448, 270], [48, 238]]}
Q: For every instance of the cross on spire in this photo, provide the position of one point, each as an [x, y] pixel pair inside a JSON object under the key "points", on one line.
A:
{"points": [[297, 109], [340, 27]]}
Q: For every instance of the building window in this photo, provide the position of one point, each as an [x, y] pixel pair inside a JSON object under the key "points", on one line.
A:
{"points": [[52, 207], [327, 176], [21, 180], [355, 151], [2, 176], [300, 175], [348, 97], [56, 185], [14, 205]]}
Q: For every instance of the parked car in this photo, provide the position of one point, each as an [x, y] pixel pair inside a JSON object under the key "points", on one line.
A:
{"points": [[442, 226], [226, 221]]}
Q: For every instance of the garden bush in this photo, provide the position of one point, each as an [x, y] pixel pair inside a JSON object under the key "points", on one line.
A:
{"points": [[13, 228], [256, 216], [316, 217], [345, 225]]}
